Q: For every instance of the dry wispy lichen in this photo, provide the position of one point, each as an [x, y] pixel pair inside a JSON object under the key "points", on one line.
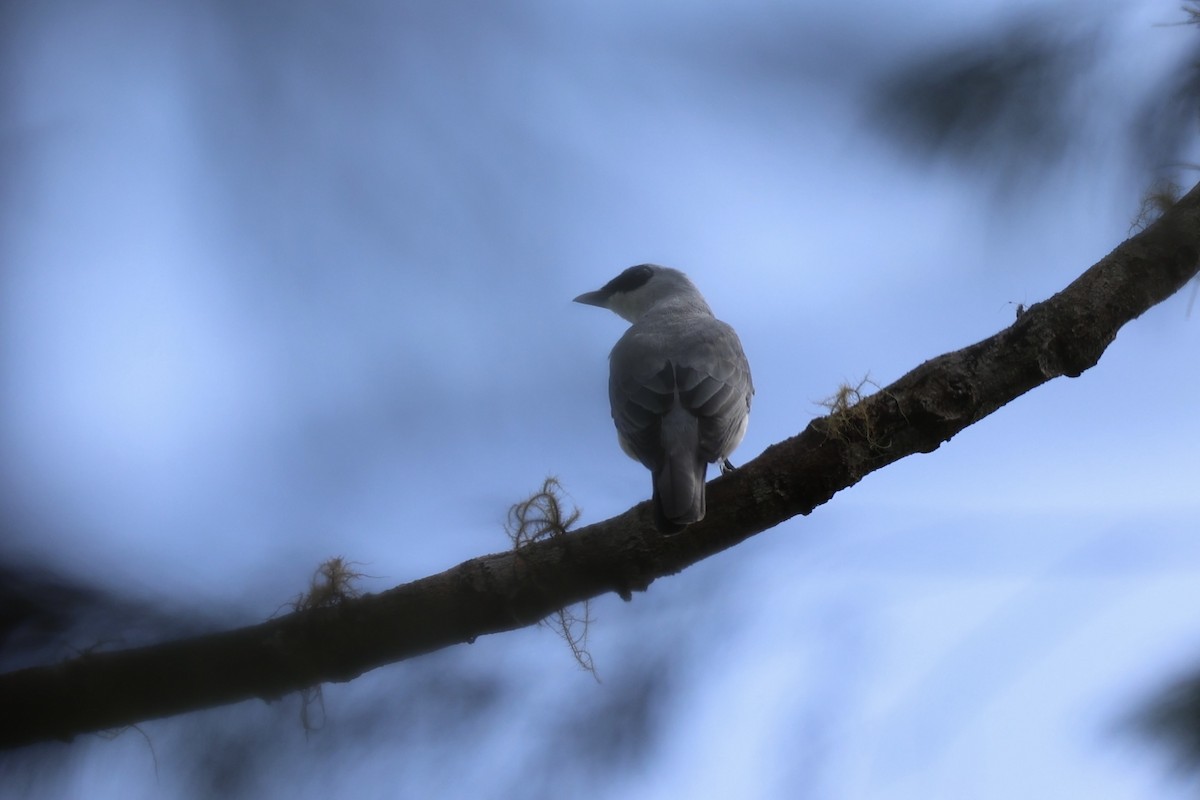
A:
{"points": [[1165, 193], [1158, 198], [312, 698], [573, 628], [331, 583], [113, 733], [846, 412], [543, 516]]}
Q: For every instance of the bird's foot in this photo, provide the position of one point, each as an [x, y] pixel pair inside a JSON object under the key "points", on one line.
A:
{"points": [[726, 466]]}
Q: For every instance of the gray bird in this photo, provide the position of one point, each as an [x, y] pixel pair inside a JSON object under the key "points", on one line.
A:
{"points": [[679, 385]]}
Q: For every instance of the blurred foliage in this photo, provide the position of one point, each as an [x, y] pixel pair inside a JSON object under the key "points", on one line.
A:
{"points": [[1016, 97], [46, 615], [1173, 719], [1005, 93]]}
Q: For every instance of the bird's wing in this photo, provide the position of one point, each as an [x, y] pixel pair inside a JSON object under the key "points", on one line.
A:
{"points": [[641, 389], [713, 379], [703, 366]]}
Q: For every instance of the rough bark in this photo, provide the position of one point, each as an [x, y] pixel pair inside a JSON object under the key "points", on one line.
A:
{"points": [[1064, 335]]}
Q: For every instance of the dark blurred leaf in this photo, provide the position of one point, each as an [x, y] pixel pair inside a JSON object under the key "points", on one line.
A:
{"points": [[1173, 719], [1168, 119], [1004, 97], [47, 616]]}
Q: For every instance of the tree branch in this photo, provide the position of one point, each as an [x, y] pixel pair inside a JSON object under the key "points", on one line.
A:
{"points": [[1064, 335]]}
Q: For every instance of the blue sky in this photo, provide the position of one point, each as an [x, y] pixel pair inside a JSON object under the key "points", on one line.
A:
{"points": [[287, 280]]}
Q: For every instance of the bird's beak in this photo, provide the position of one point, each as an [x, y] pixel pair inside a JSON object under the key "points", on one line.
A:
{"points": [[597, 298]]}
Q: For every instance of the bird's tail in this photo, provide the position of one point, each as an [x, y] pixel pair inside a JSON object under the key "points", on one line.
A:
{"points": [[679, 480], [679, 494]]}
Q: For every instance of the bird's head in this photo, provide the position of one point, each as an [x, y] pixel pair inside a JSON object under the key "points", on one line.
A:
{"points": [[638, 289]]}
